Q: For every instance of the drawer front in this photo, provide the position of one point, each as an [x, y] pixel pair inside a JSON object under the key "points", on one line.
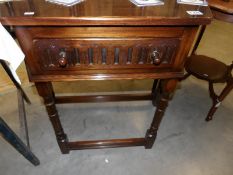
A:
{"points": [[91, 53], [76, 54]]}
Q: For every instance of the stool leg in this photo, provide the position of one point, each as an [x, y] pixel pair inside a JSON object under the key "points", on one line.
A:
{"points": [[45, 90], [185, 76], [15, 141], [218, 99], [167, 88]]}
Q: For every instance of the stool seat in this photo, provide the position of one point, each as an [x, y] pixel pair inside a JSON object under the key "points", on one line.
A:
{"points": [[207, 68], [213, 71]]}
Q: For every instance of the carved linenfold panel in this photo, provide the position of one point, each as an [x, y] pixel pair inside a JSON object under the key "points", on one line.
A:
{"points": [[105, 53]]}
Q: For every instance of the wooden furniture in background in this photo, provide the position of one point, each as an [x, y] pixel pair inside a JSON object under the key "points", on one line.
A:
{"points": [[104, 40], [210, 69], [213, 71], [222, 10]]}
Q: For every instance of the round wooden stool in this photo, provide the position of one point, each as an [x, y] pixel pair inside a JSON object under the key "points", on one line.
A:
{"points": [[213, 71]]}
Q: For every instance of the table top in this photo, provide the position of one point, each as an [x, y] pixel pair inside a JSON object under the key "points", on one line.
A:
{"points": [[221, 5], [100, 12], [222, 10]]}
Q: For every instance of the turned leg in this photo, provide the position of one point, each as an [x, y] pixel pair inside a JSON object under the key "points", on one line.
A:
{"points": [[166, 87], [45, 90], [155, 92], [215, 102], [218, 99], [185, 76]]}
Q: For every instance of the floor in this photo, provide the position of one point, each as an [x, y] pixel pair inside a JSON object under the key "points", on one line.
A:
{"points": [[186, 144]]}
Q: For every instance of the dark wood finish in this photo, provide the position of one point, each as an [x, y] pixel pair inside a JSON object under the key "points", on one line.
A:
{"points": [[104, 40], [155, 92], [167, 87], [222, 10], [98, 144], [45, 90], [217, 71], [8, 134], [102, 98], [221, 5], [75, 44], [100, 12], [113, 53]]}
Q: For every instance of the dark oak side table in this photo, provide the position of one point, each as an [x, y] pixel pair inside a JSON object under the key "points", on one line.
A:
{"points": [[104, 40]]}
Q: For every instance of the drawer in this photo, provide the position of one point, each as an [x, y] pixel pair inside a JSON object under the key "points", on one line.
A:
{"points": [[79, 54], [91, 53]]}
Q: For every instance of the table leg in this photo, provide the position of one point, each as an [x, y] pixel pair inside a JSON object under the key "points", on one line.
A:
{"points": [[45, 90], [155, 92], [167, 87]]}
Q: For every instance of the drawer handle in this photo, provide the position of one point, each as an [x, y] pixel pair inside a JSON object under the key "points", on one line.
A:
{"points": [[62, 60], [155, 57]]}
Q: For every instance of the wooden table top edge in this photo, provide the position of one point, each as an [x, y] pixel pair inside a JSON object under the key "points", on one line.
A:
{"points": [[102, 21]]}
